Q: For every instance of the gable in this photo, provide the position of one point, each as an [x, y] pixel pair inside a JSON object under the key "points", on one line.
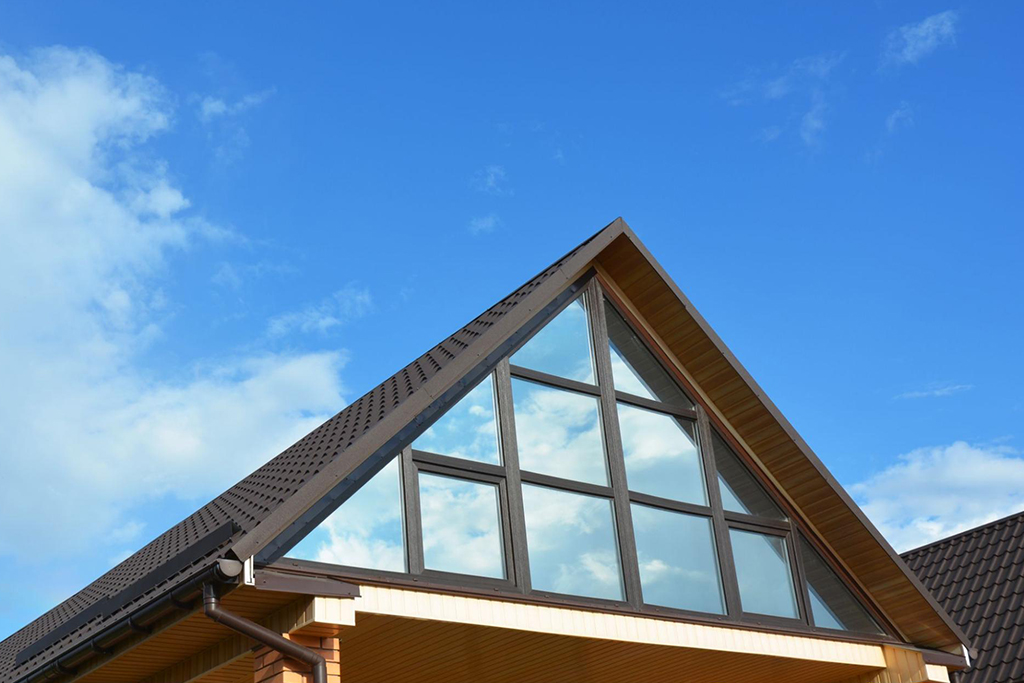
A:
{"points": [[579, 470], [300, 488]]}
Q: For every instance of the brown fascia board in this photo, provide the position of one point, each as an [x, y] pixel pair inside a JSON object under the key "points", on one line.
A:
{"points": [[876, 564], [376, 437]]}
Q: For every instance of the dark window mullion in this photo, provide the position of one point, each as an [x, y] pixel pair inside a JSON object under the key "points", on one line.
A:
{"points": [[510, 457], [613, 447], [411, 502], [569, 485], [783, 525], [730, 584], [553, 380], [468, 467], [669, 504], [802, 589], [641, 402]]}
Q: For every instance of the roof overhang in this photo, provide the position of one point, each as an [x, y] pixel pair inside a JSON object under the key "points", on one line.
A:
{"points": [[397, 634]]}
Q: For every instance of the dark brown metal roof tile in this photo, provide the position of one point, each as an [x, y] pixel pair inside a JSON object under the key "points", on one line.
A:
{"points": [[978, 577]]}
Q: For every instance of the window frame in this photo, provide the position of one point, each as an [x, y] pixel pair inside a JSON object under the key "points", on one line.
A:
{"points": [[509, 478]]}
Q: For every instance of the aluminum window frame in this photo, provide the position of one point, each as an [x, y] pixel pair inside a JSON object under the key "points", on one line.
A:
{"points": [[509, 478]]}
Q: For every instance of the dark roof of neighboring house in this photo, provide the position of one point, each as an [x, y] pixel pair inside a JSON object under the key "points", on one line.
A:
{"points": [[978, 577], [225, 520]]}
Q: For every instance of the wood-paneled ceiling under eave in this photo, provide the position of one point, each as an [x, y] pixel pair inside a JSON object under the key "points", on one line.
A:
{"points": [[433, 652], [787, 459]]}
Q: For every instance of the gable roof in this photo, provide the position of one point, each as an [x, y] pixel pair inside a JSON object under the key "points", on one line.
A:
{"points": [[250, 516], [978, 576]]}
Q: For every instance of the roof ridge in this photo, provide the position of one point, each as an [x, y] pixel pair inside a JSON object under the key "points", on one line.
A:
{"points": [[965, 532]]}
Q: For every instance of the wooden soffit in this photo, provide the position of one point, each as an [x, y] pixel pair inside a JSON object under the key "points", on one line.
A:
{"points": [[759, 425]]}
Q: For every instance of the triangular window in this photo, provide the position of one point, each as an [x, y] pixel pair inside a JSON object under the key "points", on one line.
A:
{"points": [[635, 370], [562, 347], [468, 430], [366, 531], [579, 467], [832, 604], [740, 491]]}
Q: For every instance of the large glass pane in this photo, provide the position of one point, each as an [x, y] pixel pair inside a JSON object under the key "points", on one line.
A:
{"points": [[572, 545], [740, 491], [763, 572], [468, 430], [559, 432], [832, 603], [678, 565], [562, 347], [635, 370], [661, 455], [366, 531], [461, 526]]}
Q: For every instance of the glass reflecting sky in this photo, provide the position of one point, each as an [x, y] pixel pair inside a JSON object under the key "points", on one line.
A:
{"points": [[468, 430], [635, 370], [461, 526], [661, 456], [832, 603], [678, 565], [572, 545], [626, 378], [559, 433], [740, 490], [762, 569], [562, 347], [366, 531]]}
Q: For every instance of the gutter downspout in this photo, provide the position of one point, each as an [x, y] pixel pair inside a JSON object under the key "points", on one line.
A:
{"points": [[275, 641]]}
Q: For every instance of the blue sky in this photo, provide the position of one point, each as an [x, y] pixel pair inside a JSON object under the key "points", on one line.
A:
{"points": [[220, 224]]}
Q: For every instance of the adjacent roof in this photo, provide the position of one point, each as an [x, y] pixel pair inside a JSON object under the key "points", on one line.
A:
{"points": [[978, 576], [249, 516]]}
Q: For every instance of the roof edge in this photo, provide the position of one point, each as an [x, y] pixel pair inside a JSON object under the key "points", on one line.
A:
{"points": [[959, 534], [791, 432], [320, 485]]}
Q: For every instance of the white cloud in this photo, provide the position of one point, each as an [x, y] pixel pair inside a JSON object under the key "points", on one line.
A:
{"points": [[342, 306], [801, 72], [812, 125], [807, 77], [88, 229], [933, 492], [211, 108], [770, 134], [902, 117], [911, 43], [936, 390], [229, 138], [484, 224], [491, 179]]}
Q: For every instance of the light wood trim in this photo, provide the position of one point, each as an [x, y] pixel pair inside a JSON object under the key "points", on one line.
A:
{"points": [[904, 666], [410, 604], [309, 615], [203, 663]]}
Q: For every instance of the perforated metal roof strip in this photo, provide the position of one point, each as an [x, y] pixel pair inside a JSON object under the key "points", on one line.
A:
{"points": [[258, 495]]}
